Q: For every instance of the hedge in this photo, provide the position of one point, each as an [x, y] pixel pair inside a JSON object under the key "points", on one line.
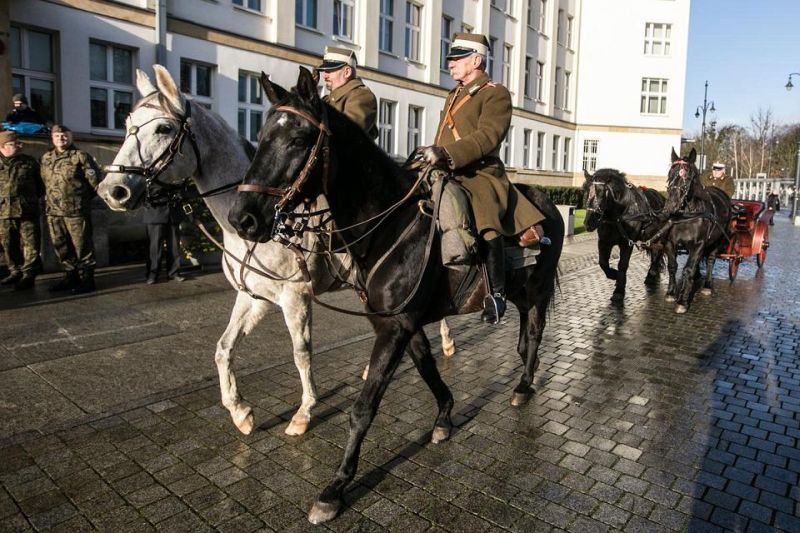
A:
{"points": [[564, 195]]}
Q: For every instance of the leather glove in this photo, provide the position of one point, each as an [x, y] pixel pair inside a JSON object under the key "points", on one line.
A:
{"points": [[436, 156]]}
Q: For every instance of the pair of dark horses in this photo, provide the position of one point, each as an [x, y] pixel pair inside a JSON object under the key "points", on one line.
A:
{"points": [[693, 218]]}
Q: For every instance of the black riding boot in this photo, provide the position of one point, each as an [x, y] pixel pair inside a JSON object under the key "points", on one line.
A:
{"points": [[11, 279], [26, 282], [494, 305], [87, 282], [69, 281]]}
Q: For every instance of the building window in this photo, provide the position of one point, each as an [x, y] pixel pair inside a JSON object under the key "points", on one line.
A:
{"points": [[556, 94], [251, 106], [542, 16], [413, 19], [196, 81], [343, 18], [567, 76], [33, 69], [590, 155], [539, 81], [554, 158], [527, 136], [387, 26], [507, 50], [255, 5], [111, 90], [565, 162], [490, 56], [386, 126], [529, 15], [447, 23], [415, 121], [305, 13], [559, 27], [540, 150], [526, 90], [654, 96], [510, 7], [657, 38], [568, 42], [505, 147]]}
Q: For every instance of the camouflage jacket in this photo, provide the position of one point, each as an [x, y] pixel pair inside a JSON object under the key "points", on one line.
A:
{"points": [[20, 187], [70, 180]]}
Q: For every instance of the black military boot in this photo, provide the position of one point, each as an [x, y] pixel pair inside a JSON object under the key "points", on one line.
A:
{"points": [[87, 282], [494, 305], [25, 283], [69, 281], [11, 279]]}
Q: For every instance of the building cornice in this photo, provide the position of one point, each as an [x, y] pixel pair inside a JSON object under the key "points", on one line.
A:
{"points": [[629, 129], [115, 10]]}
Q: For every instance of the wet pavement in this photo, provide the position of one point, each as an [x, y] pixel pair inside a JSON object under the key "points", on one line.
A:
{"points": [[643, 419]]}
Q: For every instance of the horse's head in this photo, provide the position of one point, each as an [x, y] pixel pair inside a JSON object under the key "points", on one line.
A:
{"points": [[152, 159], [291, 160], [682, 179], [602, 192]]}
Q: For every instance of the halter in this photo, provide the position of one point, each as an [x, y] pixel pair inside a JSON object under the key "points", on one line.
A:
{"points": [[156, 190], [287, 194], [685, 181]]}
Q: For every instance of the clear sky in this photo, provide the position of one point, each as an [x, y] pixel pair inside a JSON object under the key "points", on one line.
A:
{"points": [[746, 50]]}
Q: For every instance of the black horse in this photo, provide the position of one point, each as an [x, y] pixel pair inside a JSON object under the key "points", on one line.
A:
{"points": [[374, 203], [696, 220], [623, 215]]}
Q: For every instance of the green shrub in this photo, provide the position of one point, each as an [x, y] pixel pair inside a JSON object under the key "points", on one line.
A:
{"points": [[565, 195]]}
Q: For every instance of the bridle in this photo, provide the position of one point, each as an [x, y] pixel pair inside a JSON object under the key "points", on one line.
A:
{"points": [[156, 191], [685, 182]]}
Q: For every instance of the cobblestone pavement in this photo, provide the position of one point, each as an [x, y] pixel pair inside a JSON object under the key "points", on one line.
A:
{"points": [[643, 420]]}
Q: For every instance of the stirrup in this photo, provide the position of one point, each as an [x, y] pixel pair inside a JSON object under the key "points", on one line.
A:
{"points": [[494, 307]]}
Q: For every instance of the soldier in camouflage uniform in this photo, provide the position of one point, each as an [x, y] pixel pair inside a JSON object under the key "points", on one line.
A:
{"points": [[348, 94], [20, 191], [70, 178]]}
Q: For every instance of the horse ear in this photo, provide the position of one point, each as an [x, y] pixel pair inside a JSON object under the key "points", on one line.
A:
{"points": [[275, 93], [168, 88], [306, 86], [692, 156], [675, 156], [143, 83], [586, 174]]}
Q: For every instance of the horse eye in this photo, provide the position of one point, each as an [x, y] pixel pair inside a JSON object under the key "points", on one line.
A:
{"points": [[163, 129], [298, 141]]}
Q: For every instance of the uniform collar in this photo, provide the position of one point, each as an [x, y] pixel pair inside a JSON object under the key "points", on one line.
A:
{"points": [[477, 82], [346, 88]]}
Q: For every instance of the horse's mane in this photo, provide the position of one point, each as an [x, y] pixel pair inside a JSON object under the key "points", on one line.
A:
{"points": [[611, 174]]}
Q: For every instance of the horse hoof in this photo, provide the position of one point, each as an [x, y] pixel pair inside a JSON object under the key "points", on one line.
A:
{"points": [[520, 398], [449, 350], [705, 292], [440, 434], [681, 309], [296, 427], [323, 512], [366, 372], [669, 298], [246, 424]]}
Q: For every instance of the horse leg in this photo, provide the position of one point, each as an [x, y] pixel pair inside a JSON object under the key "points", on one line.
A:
{"points": [[625, 251], [387, 352], [604, 256], [247, 312], [448, 344], [654, 272], [687, 280], [296, 307], [531, 329], [672, 269], [708, 284], [420, 350]]}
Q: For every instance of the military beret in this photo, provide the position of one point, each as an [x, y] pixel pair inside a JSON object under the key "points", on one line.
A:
{"points": [[59, 128], [19, 97], [465, 44], [7, 136], [336, 58]]}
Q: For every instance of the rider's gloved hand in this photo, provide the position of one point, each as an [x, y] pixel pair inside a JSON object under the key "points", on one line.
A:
{"points": [[437, 156]]}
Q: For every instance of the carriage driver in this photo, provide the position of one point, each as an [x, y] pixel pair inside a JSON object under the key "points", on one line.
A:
{"points": [[348, 94], [720, 180], [475, 119]]}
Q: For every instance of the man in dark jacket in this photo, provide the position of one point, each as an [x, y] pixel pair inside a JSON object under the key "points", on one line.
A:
{"points": [[20, 191], [162, 226], [21, 111]]}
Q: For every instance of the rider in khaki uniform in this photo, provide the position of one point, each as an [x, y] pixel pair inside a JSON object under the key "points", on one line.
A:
{"points": [[475, 120], [348, 94], [71, 177], [20, 191], [720, 180]]}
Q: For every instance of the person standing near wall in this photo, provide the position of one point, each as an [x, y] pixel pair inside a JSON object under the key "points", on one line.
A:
{"points": [[163, 222]]}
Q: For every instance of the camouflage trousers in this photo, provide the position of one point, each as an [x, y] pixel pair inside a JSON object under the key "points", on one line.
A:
{"points": [[21, 239], [72, 241]]}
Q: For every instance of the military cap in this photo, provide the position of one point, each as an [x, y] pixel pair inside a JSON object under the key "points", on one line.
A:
{"points": [[19, 97], [336, 58], [718, 166], [8, 136], [465, 44], [59, 128]]}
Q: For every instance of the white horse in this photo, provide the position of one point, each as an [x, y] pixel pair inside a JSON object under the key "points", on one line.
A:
{"points": [[170, 139]]}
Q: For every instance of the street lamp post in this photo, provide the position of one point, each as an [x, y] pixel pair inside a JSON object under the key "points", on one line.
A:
{"points": [[793, 212], [707, 106]]}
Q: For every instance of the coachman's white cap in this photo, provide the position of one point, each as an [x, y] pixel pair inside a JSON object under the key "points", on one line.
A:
{"points": [[718, 166], [465, 44], [336, 58]]}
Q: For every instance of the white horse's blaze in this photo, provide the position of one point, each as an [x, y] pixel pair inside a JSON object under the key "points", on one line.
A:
{"points": [[283, 120]]}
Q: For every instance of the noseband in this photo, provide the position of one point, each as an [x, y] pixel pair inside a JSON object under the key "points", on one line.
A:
{"points": [[286, 195], [156, 190]]}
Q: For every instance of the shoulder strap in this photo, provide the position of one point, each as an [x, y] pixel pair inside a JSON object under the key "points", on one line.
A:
{"points": [[449, 116]]}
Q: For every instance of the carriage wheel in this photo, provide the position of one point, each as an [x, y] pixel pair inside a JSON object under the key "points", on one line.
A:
{"points": [[761, 257], [733, 267]]}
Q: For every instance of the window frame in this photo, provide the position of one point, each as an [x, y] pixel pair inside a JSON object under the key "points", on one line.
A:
{"points": [[415, 131], [490, 57], [445, 42], [647, 96], [386, 20], [386, 130], [240, 4], [26, 74], [555, 153], [541, 141], [249, 106], [508, 52], [506, 152], [565, 151], [542, 17], [556, 94], [650, 40], [565, 101], [206, 101], [301, 16], [527, 138], [112, 87], [526, 89], [540, 75], [340, 8], [590, 149], [412, 50]]}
